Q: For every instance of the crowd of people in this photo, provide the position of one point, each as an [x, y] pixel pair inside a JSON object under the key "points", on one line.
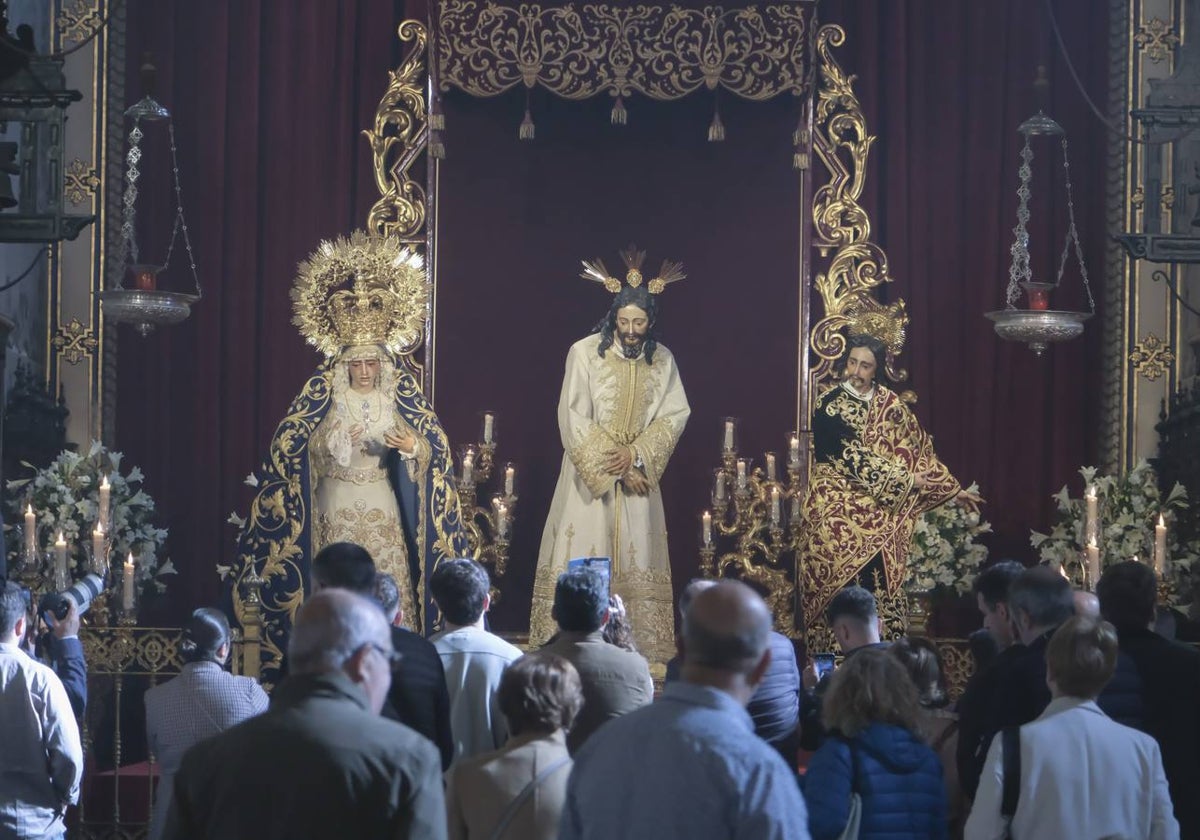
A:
{"points": [[1079, 721]]}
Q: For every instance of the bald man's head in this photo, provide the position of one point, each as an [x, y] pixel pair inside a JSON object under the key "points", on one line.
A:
{"points": [[1086, 603], [337, 630], [330, 627], [726, 628]]}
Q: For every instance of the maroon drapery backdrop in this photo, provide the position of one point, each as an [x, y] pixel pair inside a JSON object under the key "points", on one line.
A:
{"points": [[269, 100]]}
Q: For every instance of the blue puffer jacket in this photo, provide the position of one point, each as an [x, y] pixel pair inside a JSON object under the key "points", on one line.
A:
{"points": [[898, 777]]}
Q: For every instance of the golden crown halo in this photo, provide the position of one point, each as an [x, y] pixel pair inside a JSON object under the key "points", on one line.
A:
{"points": [[595, 271], [361, 290]]}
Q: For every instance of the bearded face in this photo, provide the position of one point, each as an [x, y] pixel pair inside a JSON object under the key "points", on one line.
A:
{"points": [[860, 369], [632, 325]]}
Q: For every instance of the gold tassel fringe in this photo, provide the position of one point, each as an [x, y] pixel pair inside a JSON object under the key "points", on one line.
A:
{"points": [[716, 131], [437, 121], [619, 115], [526, 132], [800, 160], [437, 149]]}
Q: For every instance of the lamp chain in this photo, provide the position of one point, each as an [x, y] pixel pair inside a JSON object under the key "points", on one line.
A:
{"points": [[180, 221], [128, 213], [1073, 234], [1019, 270]]}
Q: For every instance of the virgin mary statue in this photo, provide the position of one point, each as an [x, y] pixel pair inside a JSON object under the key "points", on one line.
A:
{"points": [[360, 456]]}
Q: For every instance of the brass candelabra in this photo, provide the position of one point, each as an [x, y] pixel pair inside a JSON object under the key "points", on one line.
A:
{"points": [[753, 530], [489, 529]]}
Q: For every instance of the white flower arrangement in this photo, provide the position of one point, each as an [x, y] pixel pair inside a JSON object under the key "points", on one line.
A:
{"points": [[1129, 507], [944, 554], [65, 497]]}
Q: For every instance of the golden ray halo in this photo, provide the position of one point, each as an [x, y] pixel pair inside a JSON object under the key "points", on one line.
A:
{"points": [[378, 267]]}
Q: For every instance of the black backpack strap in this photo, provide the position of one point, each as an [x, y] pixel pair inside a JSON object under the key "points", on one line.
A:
{"points": [[1010, 744]]}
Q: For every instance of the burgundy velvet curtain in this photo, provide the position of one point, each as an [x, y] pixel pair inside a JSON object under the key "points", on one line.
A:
{"points": [[270, 97]]}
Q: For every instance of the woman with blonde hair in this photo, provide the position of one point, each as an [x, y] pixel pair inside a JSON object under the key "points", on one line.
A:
{"points": [[518, 791], [875, 770]]}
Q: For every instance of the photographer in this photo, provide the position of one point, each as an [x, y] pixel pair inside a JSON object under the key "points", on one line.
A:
{"points": [[61, 646], [43, 757]]}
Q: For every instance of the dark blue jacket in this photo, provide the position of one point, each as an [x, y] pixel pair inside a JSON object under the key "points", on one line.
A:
{"points": [[898, 777]]}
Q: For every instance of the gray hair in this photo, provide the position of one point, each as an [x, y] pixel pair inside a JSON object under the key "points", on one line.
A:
{"points": [[726, 627], [1043, 595], [331, 627]]}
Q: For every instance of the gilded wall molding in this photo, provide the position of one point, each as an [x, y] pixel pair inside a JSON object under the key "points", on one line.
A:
{"points": [[841, 225], [80, 182], [74, 342], [1152, 357], [661, 52], [78, 20], [1156, 38], [1120, 209]]}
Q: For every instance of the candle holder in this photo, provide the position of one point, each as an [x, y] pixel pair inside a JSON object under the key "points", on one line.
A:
{"points": [[752, 537], [489, 529], [98, 562], [28, 557], [126, 595]]}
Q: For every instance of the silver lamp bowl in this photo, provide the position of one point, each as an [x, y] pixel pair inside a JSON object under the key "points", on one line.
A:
{"points": [[1038, 328], [147, 309]]}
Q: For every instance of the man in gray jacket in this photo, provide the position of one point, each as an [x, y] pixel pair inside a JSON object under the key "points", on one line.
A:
{"points": [[320, 762]]}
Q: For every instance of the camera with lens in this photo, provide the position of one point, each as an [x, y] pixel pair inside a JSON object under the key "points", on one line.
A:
{"points": [[82, 593]]}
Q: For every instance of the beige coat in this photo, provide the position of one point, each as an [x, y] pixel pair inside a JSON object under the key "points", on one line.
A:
{"points": [[479, 790]]}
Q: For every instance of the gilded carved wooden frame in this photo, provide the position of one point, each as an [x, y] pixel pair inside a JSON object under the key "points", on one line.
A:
{"points": [[662, 53]]}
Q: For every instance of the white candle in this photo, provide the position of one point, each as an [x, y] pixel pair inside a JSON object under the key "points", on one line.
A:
{"points": [[503, 521], [510, 477], [720, 491], [1160, 546], [469, 468], [127, 584], [776, 512], [1093, 563], [741, 474], [489, 420], [728, 435], [795, 510], [105, 493], [770, 466], [1091, 532], [706, 524], [60, 554], [30, 532], [794, 451], [98, 552]]}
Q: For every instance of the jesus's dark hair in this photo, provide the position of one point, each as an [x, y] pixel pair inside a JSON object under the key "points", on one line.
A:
{"points": [[643, 300]]}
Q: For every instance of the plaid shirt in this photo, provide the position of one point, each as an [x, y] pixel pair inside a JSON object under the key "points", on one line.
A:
{"points": [[201, 702]]}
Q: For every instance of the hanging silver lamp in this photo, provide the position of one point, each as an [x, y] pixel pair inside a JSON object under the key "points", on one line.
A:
{"points": [[1039, 325], [145, 306]]}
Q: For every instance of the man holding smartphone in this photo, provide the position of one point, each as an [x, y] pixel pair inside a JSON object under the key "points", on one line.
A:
{"points": [[854, 620]]}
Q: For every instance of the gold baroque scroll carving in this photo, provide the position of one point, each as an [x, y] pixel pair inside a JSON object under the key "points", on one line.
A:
{"points": [[841, 225], [398, 137], [662, 52]]}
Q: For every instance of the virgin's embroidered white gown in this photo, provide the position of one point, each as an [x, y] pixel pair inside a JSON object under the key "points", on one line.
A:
{"points": [[355, 501], [606, 402]]}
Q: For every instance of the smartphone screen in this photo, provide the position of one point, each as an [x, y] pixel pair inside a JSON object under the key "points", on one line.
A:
{"points": [[824, 664]]}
